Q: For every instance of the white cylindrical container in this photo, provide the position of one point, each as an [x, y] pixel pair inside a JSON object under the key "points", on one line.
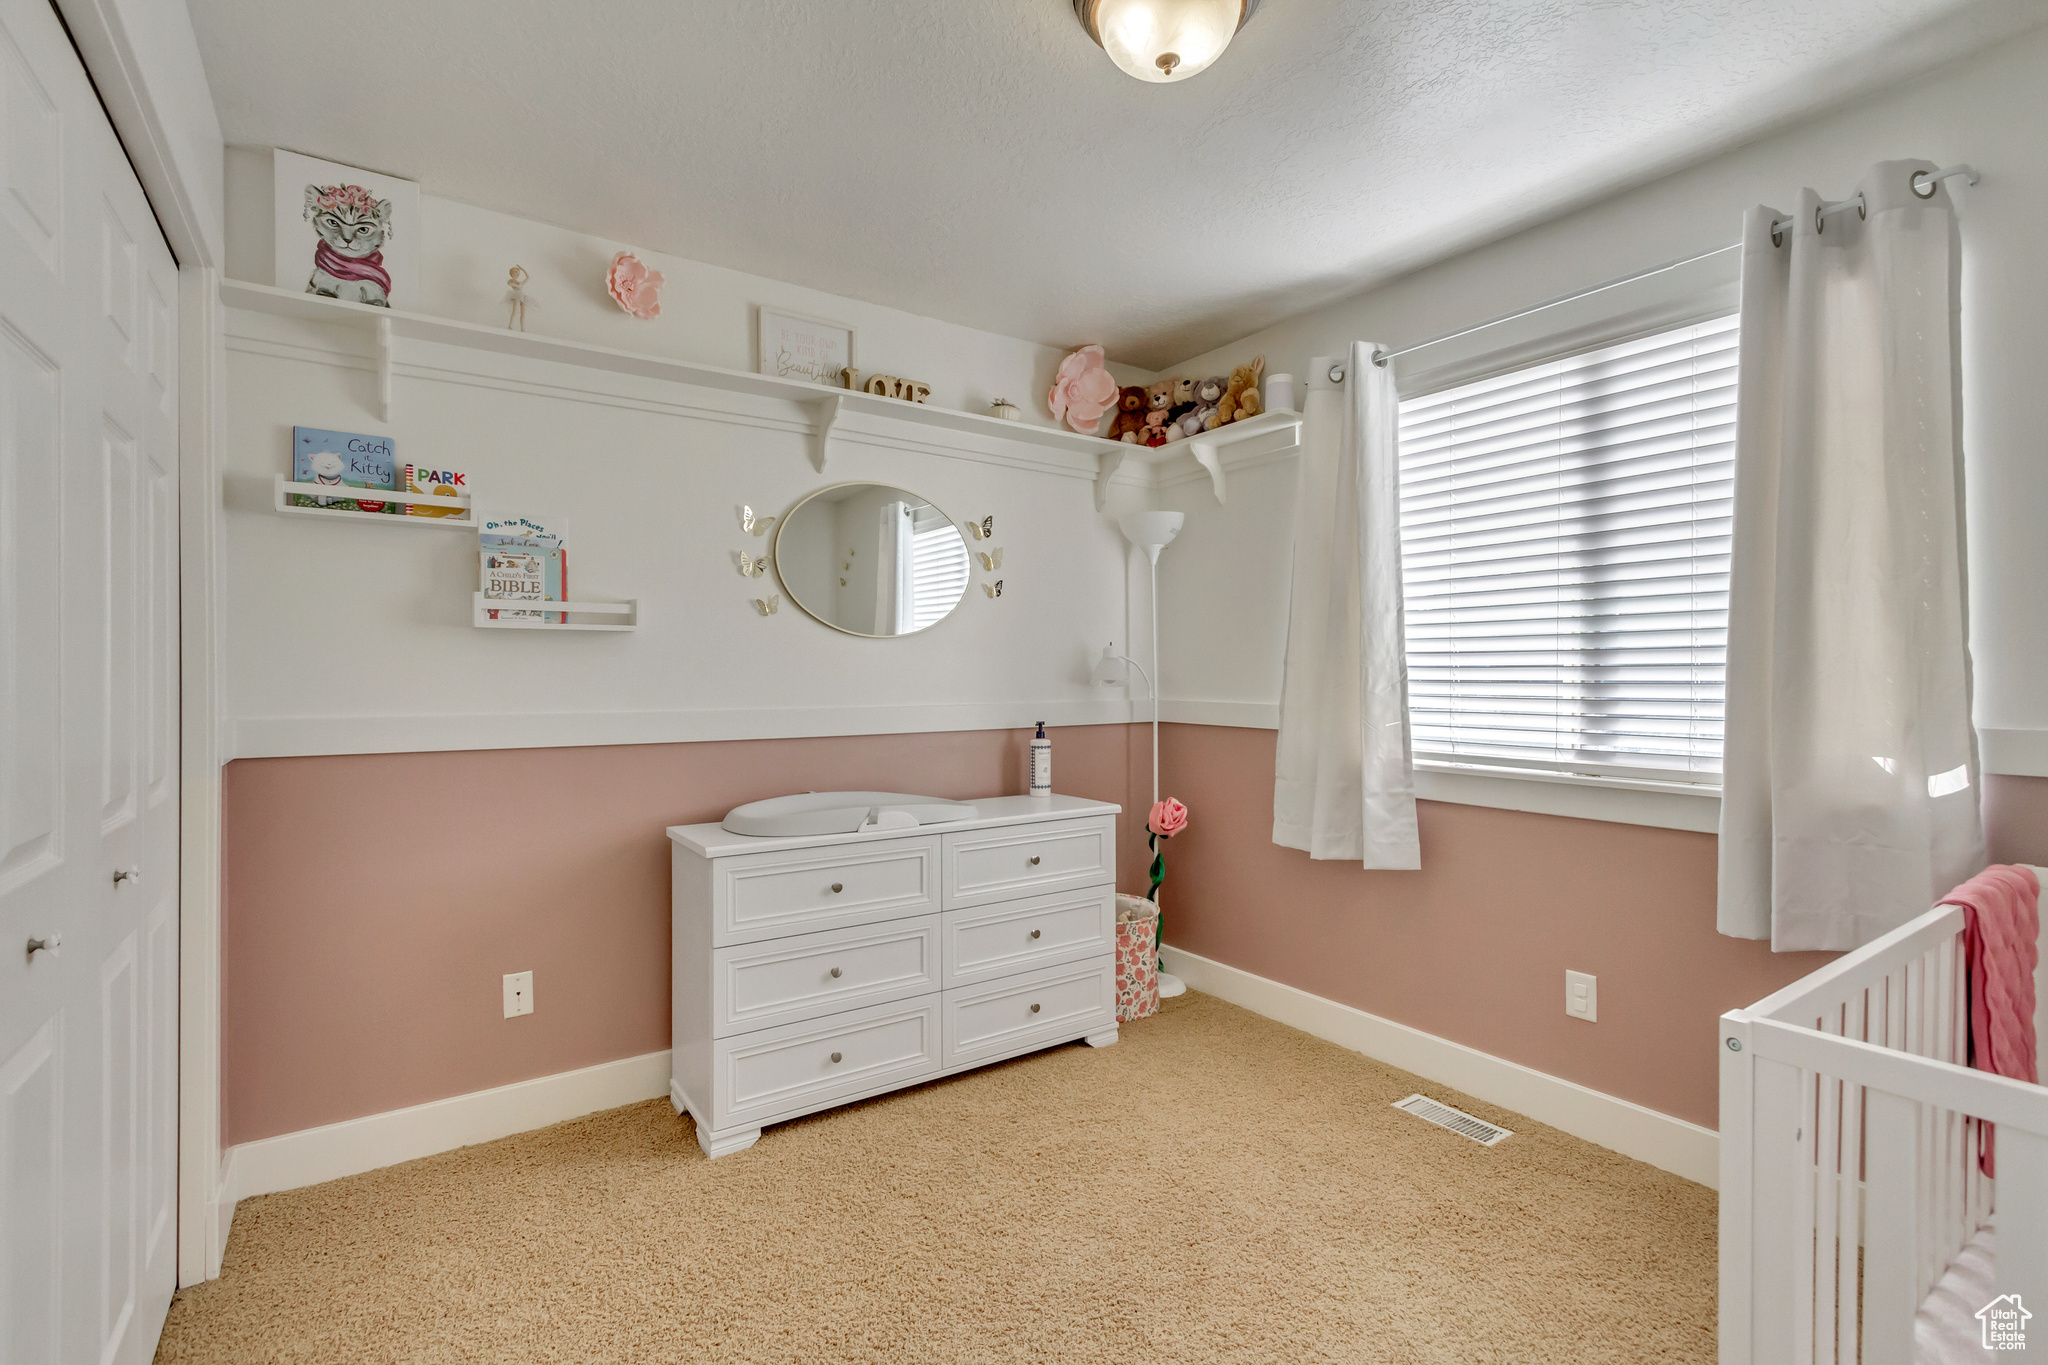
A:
{"points": [[1280, 393], [1041, 763]]}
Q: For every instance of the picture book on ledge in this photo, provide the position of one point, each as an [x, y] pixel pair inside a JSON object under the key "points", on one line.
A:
{"points": [[345, 459], [523, 560], [444, 483]]}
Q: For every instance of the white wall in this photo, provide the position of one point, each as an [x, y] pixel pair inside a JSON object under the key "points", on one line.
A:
{"points": [[345, 637], [1223, 584]]}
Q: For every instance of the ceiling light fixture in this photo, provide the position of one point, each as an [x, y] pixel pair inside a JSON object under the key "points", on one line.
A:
{"points": [[1163, 40]]}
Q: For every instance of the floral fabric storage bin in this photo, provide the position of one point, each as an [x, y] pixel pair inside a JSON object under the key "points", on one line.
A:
{"points": [[1137, 958]]}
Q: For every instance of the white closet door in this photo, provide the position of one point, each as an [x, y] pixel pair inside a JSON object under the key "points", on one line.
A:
{"points": [[88, 712]]}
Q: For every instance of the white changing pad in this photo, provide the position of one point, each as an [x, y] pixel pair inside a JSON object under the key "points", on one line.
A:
{"points": [[1946, 1330]]}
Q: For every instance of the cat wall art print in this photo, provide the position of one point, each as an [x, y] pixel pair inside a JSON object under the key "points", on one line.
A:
{"points": [[346, 233], [348, 259]]}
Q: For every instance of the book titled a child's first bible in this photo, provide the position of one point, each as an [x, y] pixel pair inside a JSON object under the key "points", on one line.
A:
{"points": [[523, 561], [344, 459]]}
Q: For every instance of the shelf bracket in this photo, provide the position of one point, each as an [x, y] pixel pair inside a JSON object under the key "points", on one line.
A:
{"points": [[384, 368], [1110, 460], [1204, 451], [824, 413]]}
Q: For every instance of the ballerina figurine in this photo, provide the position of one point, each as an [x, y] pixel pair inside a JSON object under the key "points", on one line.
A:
{"points": [[517, 280]]}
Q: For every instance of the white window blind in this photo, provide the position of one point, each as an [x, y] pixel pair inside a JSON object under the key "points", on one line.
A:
{"points": [[938, 572], [1565, 560]]}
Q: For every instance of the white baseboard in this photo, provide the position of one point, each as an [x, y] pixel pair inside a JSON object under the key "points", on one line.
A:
{"points": [[312, 1155], [1668, 1143]]}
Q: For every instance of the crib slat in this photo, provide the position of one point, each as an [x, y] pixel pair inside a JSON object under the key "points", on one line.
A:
{"points": [[1826, 1213], [1805, 1140], [1891, 1251], [1848, 1239]]}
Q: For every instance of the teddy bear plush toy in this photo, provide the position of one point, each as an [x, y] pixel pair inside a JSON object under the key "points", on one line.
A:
{"points": [[1158, 409], [1241, 399], [1208, 393], [1130, 416]]}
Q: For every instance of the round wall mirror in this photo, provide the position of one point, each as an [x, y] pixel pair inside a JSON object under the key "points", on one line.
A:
{"points": [[869, 559]]}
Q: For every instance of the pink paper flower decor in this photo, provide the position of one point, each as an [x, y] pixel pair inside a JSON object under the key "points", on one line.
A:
{"points": [[1082, 391], [1169, 818], [633, 286]]}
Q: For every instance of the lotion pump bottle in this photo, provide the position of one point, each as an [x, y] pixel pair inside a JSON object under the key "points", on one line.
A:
{"points": [[1041, 763]]}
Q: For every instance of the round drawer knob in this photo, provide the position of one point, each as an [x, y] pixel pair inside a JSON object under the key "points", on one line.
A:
{"points": [[835, 1056], [1035, 933], [835, 973], [1034, 860], [837, 887], [1034, 1009]]}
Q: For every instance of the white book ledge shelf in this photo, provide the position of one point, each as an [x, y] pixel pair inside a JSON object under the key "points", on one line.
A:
{"points": [[463, 503], [614, 615], [824, 404]]}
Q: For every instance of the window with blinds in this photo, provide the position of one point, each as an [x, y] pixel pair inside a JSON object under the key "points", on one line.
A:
{"points": [[938, 572], [1564, 559]]}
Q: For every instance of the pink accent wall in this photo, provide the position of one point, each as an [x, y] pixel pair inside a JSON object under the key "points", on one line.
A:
{"points": [[1474, 947], [373, 903], [368, 978], [2016, 819]]}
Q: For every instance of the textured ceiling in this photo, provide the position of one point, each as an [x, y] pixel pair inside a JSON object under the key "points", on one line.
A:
{"points": [[981, 161]]}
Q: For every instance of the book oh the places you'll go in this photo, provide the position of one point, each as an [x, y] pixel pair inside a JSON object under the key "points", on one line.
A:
{"points": [[344, 459], [523, 560]]}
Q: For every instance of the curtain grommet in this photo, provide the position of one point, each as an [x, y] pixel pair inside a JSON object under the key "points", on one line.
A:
{"points": [[1336, 374], [1913, 184]]}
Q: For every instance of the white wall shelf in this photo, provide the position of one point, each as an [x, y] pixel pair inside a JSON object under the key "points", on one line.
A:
{"points": [[285, 488], [620, 615], [826, 405], [1205, 448]]}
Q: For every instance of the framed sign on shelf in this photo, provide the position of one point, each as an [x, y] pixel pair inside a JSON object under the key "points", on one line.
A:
{"points": [[796, 347]]}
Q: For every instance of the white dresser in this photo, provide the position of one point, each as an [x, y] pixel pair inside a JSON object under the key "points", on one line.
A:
{"points": [[810, 972]]}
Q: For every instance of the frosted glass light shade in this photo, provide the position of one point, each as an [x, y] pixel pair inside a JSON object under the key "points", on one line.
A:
{"points": [[1163, 40], [1152, 531]]}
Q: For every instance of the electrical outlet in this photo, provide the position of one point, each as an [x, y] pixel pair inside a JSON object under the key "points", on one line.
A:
{"points": [[518, 994], [1581, 996]]}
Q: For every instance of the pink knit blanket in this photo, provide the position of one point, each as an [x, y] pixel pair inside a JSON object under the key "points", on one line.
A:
{"points": [[370, 267], [2001, 941]]}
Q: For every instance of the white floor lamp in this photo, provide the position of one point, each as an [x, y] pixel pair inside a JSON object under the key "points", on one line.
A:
{"points": [[1150, 532]]}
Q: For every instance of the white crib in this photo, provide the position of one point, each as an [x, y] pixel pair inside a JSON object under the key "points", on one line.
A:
{"points": [[1849, 1121]]}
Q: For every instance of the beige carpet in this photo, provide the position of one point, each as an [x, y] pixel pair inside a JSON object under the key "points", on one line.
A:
{"points": [[1216, 1187]]}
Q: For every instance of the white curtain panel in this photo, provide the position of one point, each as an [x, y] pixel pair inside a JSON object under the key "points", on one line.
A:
{"points": [[1850, 786], [1344, 785]]}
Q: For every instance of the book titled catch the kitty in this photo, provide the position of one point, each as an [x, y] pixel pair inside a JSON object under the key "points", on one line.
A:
{"points": [[523, 560], [345, 459]]}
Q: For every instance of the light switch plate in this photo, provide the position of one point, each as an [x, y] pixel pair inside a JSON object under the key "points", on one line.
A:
{"points": [[518, 994], [1582, 996]]}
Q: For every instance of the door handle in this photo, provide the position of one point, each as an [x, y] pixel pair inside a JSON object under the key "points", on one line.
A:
{"points": [[53, 945], [127, 874]]}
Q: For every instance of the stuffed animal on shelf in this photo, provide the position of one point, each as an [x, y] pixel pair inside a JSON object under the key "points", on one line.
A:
{"points": [[1208, 394], [1130, 415], [1241, 399], [1176, 414], [1158, 410]]}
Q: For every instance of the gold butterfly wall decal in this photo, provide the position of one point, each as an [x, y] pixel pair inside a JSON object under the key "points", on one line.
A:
{"points": [[753, 524], [994, 589], [751, 567], [991, 559], [767, 605], [984, 530]]}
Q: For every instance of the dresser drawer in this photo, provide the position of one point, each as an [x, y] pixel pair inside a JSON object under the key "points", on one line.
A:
{"points": [[1017, 1013], [1012, 861], [755, 985], [775, 1073], [1017, 936], [772, 895]]}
